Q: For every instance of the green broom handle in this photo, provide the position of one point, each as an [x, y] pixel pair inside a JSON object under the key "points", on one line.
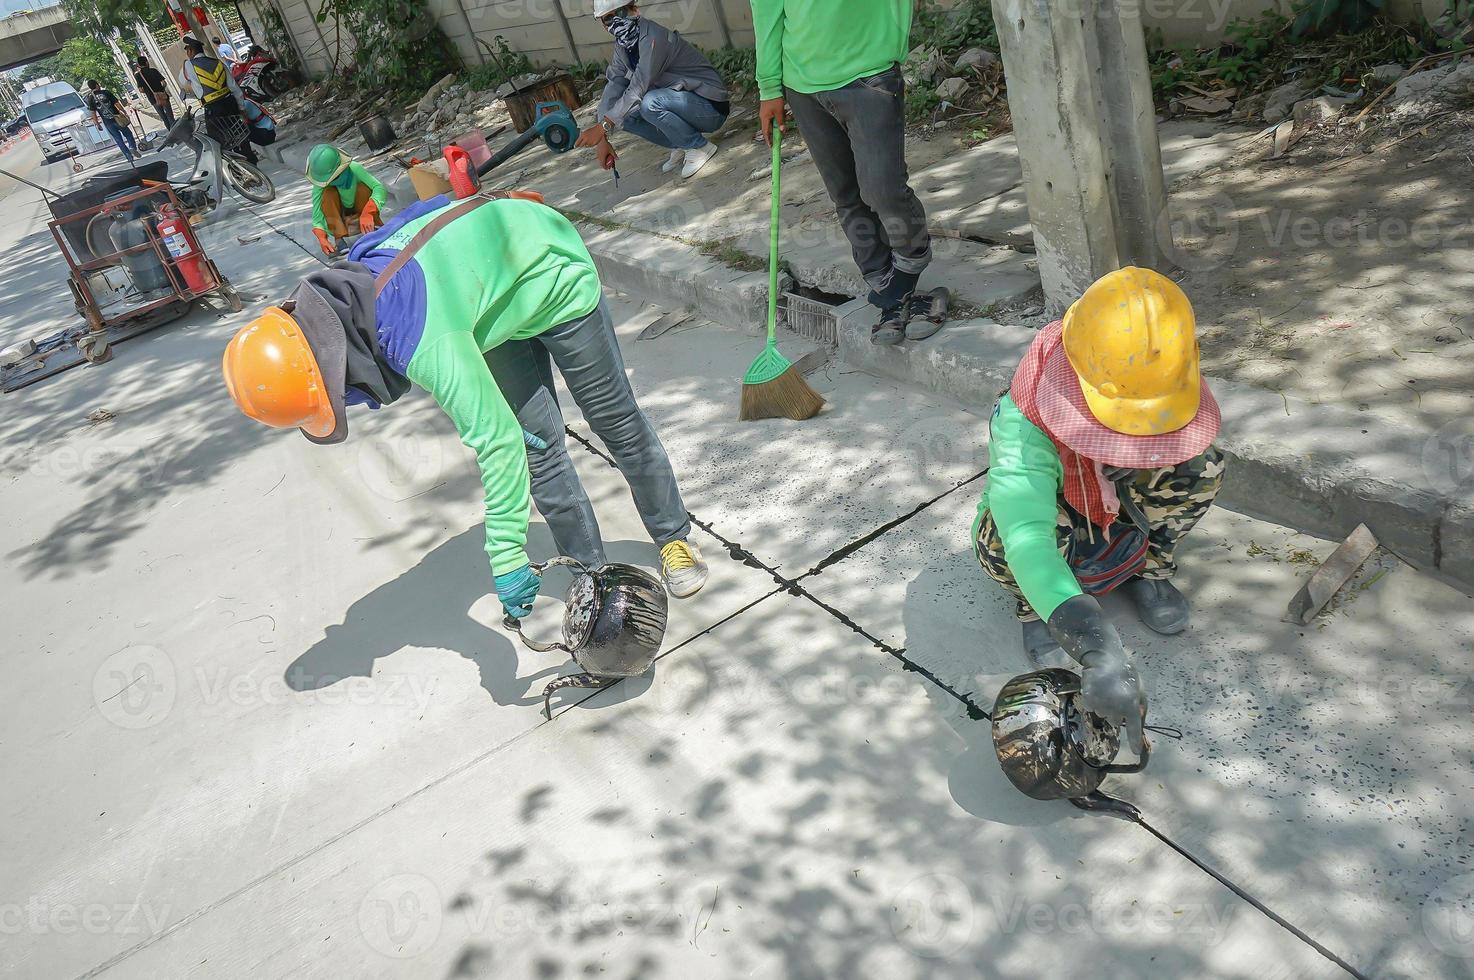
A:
{"points": [[773, 243]]}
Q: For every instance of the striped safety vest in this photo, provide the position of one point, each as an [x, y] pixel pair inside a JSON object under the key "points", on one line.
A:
{"points": [[211, 73]]}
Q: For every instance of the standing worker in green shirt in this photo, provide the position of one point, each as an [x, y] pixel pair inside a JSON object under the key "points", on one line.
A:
{"points": [[837, 63], [474, 301], [346, 198], [1101, 460]]}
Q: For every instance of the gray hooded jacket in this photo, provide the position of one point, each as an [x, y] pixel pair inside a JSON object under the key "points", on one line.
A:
{"points": [[666, 61]]}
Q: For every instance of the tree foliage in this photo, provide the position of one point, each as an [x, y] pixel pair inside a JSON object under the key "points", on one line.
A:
{"points": [[399, 44], [81, 58], [101, 19]]}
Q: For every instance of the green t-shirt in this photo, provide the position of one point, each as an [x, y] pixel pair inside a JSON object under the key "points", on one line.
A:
{"points": [[509, 270], [347, 195], [821, 45]]}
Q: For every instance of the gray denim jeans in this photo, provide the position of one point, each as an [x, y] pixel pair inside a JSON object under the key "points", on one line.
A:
{"points": [[857, 135], [587, 355]]}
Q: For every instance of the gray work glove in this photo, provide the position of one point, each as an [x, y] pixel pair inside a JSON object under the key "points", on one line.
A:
{"points": [[1109, 686]]}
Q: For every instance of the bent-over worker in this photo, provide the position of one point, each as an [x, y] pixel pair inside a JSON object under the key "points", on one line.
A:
{"points": [[1101, 462], [475, 301]]}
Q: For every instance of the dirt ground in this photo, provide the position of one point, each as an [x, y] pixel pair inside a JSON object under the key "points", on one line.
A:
{"points": [[1342, 271]]}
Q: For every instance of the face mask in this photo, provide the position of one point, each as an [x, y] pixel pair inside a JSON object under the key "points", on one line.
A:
{"points": [[625, 30], [344, 180]]}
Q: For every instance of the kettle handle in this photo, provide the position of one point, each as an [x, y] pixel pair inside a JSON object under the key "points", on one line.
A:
{"points": [[514, 624]]}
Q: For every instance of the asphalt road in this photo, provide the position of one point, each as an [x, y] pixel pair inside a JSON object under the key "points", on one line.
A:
{"points": [[21, 157]]}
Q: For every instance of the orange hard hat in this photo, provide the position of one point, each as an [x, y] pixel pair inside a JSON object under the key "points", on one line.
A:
{"points": [[273, 376]]}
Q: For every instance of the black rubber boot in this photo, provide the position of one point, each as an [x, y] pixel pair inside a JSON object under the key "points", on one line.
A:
{"points": [[891, 329], [1161, 607], [1041, 646]]}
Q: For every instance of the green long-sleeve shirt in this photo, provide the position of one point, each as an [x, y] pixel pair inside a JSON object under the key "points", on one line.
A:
{"points": [[509, 270], [348, 195], [821, 45], [1025, 477]]}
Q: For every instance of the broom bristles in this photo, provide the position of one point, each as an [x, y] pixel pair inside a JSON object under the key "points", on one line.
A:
{"points": [[786, 396]]}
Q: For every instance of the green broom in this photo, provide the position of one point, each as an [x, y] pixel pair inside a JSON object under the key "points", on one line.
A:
{"points": [[772, 388]]}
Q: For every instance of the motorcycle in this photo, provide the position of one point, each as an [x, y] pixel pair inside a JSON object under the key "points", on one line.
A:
{"points": [[216, 156], [259, 76]]}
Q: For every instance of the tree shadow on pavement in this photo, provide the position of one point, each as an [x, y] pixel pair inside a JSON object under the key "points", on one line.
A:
{"points": [[777, 805], [1338, 275]]}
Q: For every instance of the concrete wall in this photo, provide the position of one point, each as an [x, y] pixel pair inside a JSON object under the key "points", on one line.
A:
{"points": [[564, 31], [318, 46]]}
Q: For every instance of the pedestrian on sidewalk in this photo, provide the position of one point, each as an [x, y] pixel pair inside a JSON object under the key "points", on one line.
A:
{"points": [[150, 82], [837, 64], [660, 88], [226, 51], [1101, 462], [110, 114], [480, 299]]}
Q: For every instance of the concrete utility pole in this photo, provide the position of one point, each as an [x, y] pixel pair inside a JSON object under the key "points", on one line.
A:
{"points": [[1079, 89]]}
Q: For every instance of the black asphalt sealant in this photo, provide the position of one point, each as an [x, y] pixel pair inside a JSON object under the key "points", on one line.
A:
{"points": [[740, 554]]}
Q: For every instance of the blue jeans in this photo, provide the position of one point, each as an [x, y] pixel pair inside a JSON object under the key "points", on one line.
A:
{"points": [[674, 119], [121, 136], [587, 356]]}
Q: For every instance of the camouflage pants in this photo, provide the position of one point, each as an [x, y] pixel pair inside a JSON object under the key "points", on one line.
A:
{"points": [[1172, 499]]}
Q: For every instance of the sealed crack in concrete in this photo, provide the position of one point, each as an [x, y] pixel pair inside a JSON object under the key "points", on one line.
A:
{"points": [[974, 711], [740, 554], [267, 222], [854, 546], [1268, 912]]}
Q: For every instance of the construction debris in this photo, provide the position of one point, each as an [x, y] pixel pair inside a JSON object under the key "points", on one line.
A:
{"points": [[1331, 576]]}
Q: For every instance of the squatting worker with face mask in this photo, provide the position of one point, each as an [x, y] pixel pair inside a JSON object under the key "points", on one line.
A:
{"points": [[474, 301], [346, 198], [1101, 461], [660, 88]]}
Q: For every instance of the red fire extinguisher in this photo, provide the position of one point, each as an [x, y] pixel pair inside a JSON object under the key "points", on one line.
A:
{"points": [[179, 239]]}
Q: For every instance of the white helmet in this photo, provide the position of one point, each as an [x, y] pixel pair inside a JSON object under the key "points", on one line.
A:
{"points": [[602, 7]]}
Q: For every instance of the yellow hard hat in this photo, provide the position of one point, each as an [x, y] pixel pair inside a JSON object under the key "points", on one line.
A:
{"points": [[1132, 340]]}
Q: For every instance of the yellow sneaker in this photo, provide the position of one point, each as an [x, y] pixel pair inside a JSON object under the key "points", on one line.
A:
{"points": [[682, 569]]}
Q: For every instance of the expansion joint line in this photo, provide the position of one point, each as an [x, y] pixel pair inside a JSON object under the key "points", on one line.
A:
{"points": [[793, 587]]}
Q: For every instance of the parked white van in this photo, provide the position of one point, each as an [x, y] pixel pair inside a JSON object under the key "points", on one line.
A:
{"points": [[60, 121]]}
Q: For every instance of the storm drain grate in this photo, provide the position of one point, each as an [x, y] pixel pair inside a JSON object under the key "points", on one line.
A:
{"points": [[809, 318]]}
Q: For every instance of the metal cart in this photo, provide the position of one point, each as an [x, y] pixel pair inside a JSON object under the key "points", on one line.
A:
{"points": [[134, 264]]}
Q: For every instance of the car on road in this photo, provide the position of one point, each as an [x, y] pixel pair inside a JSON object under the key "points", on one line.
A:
{"points": [[60, 121]]}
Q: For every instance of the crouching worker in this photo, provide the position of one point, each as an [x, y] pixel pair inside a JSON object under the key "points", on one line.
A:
{"points": [[660, 88], [1101, 462], [474, 301], [346, 198]]}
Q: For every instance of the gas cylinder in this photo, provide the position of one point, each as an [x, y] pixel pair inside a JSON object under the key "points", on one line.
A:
{"points": [[144, 267], [179, 240]]}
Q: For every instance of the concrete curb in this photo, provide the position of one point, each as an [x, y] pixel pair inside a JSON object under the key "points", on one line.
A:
{"points": [[676, 276], [1318, 468]]}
